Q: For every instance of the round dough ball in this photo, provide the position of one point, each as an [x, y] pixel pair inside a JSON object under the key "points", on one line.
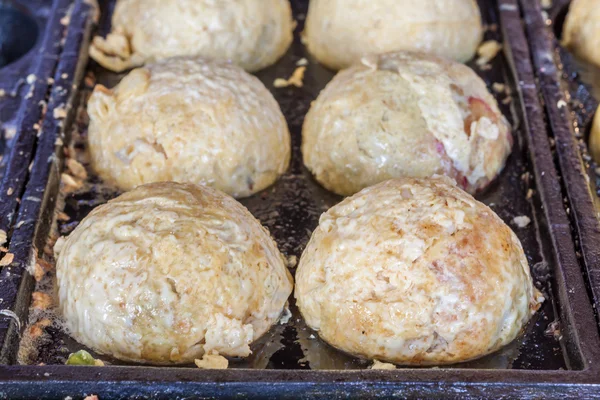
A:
{"points": [[188, 120], [415, 272], [581, 32], [405, 115], [169, 272], [339, 32], [251, 33]]}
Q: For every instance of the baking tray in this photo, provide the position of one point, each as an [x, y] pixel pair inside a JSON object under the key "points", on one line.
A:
{"points": [[287, 362], [569, 93]]}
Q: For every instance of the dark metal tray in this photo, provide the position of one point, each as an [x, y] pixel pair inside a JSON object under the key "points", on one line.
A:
{"points": [[570, 97], [287, 362]]}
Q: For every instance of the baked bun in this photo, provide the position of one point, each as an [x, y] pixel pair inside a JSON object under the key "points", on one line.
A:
{"points": [[250, 33], [415, 272], [405, 115], [339, 32], [169, 272], [188, 120]]}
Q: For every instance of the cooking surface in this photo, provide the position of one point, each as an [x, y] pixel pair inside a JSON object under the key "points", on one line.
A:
{"points": [[291, 208]]}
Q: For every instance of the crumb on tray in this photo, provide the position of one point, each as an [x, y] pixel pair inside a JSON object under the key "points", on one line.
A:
{"points": [[59, 113], [36, 330], [40, 268], [295, 80], [69, 184], [41, 301], [212, 361], [499, 87], [7, 259], [292, 261], [521, 221], [381, 365], [76, 168], [487, 51]]}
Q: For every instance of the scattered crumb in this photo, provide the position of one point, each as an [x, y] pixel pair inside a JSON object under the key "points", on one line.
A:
{"points": [[30, 78], [65, 20], [212, 361], [292, 261], [2, 92], [36, 330], [553, 330], [295, 79], [50, 81], [507, 100], [487, 51], [91, 397], [68, 184], [40, 269], [312, 336], [3, 237], [286, 315], [62, 216], [7, 259], [59, 113], [381, 365], [561, 103], [521, 221], [36, 126], [499, 87], [10, 191], [41, 301], [529, 194], [302, 62], [546, 4], [76, 169]]}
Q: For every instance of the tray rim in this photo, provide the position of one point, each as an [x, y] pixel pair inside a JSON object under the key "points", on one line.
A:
{"points": [[118, 381]]}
